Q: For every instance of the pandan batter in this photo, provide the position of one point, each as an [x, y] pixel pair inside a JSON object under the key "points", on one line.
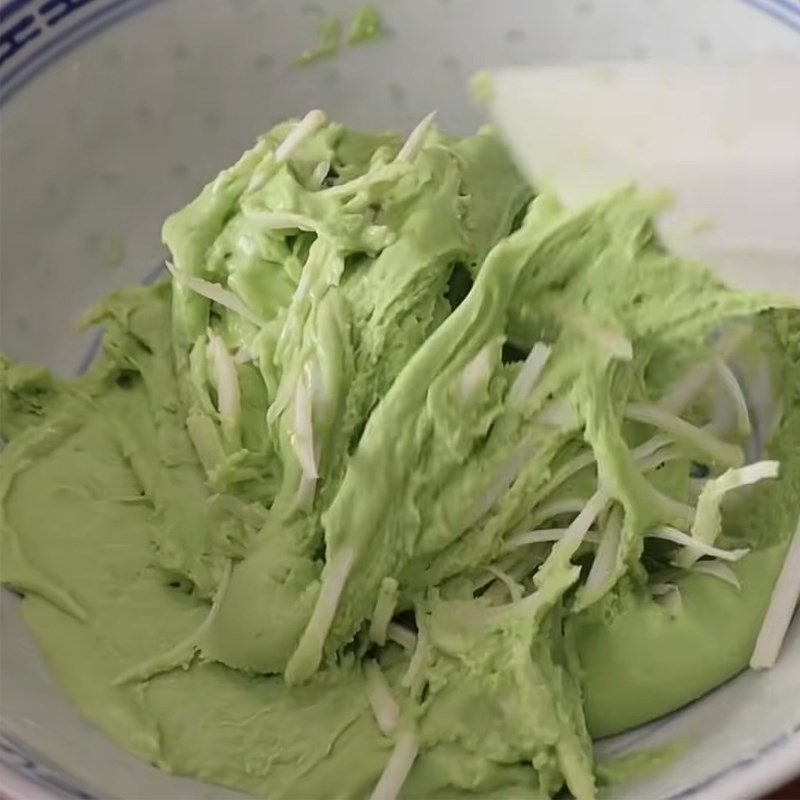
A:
{"points": [[404, 482]]}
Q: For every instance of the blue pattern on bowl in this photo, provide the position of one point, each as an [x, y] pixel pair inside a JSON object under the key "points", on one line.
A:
{"points": [[35, 769], [36, 33]]}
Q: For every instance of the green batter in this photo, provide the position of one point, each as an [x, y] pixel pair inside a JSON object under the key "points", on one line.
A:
{"points": [[405, 482], [366, 26]]}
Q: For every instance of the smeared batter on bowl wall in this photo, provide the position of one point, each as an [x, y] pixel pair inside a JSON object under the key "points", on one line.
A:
{"points": [[404, 482]]}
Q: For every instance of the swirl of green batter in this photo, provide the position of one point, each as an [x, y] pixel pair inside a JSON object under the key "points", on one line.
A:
{"points": [[405, 480]]}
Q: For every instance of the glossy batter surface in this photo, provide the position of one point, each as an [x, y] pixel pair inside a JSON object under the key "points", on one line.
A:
{"points": [[321, 501]]}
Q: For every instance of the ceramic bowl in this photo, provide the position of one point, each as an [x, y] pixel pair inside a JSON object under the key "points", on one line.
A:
{"points": [[115, 112]]}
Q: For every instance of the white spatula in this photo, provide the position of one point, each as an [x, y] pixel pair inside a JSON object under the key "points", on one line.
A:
{"points": [[723, 140]]}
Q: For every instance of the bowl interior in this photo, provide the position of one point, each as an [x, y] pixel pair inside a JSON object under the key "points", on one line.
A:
{"points": [[116, 116]]}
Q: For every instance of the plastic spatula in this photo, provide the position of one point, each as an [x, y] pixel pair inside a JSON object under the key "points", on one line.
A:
{"points": [[724, 141]]}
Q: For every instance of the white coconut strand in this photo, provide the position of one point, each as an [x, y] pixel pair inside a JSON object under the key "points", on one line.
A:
{"points": [[307, 126], [381, 698], [307, 656], [782, 604], [529, 374], [416, 139], [398, 766], [216, 293]]}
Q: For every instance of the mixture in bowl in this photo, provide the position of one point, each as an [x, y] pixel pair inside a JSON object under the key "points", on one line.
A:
{"points": [[406, 480]]}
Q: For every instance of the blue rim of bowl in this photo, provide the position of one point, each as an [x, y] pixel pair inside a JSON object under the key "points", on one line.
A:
{"points": [[38, 772], [34, 34], [23, 22]]}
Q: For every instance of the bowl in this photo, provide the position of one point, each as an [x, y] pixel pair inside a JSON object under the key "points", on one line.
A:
{"points": [[115, 112]]}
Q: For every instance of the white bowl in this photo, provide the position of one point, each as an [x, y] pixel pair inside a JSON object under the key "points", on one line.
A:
{"points": [[114, 113]]}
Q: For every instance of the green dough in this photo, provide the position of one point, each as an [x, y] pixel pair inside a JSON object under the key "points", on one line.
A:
{"points": [[366, 26], [275, 537], [329, 43]]}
